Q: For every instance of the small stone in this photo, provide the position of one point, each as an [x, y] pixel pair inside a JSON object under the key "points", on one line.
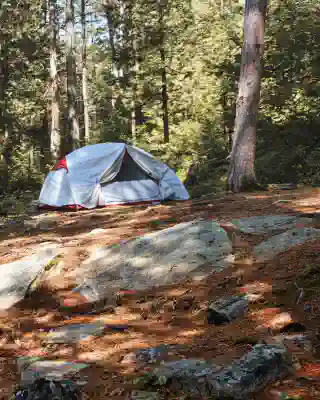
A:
{"points": [[150, 355], [307, 307], [254, 298], [227, 309], [129, 358], [294, 341]]}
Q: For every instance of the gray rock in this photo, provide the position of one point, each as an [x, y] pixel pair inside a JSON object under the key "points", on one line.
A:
{"points": [[285, 241], [254, 371], [32, 369], [159, 258], [227, 309], [244, 377], [75, 332], [192, 376], [300, 340], [16, 277], [269, 223], [150, 355]]}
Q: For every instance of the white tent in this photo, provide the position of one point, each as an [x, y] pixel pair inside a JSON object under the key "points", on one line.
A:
{"points": [[109, 173]]}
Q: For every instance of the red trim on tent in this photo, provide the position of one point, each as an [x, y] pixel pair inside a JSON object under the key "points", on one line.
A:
{"points": [[61, 164], [78, 207], [66, 207]]}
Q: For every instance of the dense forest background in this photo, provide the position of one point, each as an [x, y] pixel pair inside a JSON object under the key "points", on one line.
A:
{"points": [[160, 74]]}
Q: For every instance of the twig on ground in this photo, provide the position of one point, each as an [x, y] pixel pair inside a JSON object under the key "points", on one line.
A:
{"points": [[301, 293]]}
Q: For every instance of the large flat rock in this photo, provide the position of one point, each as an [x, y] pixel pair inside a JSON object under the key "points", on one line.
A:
{"points": [[269, 223], [16, 277], [159, 258], [277, 244]]}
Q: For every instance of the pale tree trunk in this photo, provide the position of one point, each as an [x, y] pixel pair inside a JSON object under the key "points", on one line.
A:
{"points": [[3, 88], [55, 110], [111, 31], [134, 94], [73, 132], [134, 72], [121, 37], [164, 84], [5, 137], [86, 120], [242, 157]]}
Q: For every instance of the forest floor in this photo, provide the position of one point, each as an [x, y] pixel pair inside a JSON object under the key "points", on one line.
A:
{"points": [[150, 316]]}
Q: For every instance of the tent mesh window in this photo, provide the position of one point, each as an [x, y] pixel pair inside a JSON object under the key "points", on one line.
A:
{"points": [[129, 171]]}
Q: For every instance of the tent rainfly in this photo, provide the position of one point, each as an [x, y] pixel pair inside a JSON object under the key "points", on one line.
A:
{"points": [[108, 174]]}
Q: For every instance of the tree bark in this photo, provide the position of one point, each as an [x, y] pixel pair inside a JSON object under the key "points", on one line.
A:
{"points": [[54, 78], [134, 62], [242, 157], [5, 136], [134, 96], [164, 83], [86, 120], [3, 88], [111, 31], [73, 132]]}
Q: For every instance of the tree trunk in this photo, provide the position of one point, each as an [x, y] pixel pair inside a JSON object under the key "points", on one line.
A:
{"points": [[5, 139], [3, 88], [242, 157], [73, 133], [164, 84], [55, 110], [134, 73], [114, 60], [86, 121]]}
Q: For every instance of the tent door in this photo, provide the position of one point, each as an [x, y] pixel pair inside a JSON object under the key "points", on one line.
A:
{"points": [[129, 171]]}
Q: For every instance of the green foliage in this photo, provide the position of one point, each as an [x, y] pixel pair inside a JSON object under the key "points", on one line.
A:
{"points": [[202, 44], [22, 173]]}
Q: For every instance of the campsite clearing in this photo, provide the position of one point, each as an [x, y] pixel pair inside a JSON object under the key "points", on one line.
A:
{"points": [[174, 314]]}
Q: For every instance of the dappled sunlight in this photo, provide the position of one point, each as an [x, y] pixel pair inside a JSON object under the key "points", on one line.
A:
{"points": [[192, 332], [169, 314], [256, 288]]}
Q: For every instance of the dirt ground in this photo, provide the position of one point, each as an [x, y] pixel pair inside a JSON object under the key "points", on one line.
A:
{"points": [[174, 314]]}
